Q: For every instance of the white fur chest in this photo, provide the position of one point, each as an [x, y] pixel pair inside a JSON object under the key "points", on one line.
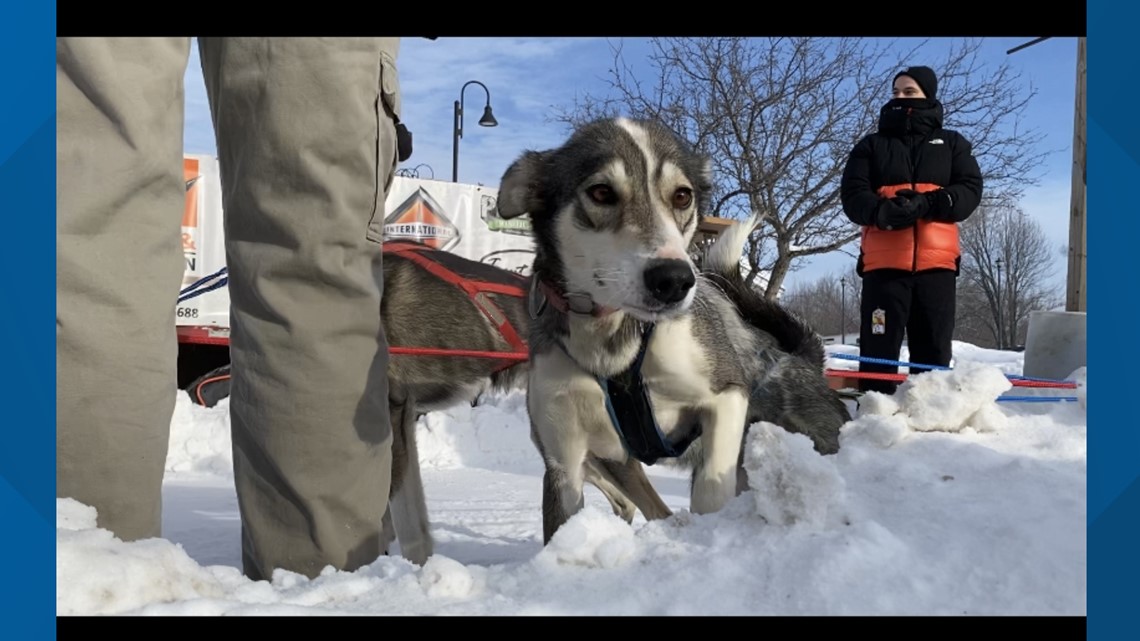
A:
{"points": [[675, 366], [585, 340], [675, 371]]}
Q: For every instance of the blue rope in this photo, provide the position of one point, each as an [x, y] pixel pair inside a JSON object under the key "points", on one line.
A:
{"points": [[1039, 380], [196, 288], [198, 283], [204, 290], [884, 361], [1038, 399]]}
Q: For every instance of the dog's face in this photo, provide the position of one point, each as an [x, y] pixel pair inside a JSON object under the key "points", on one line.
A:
{"points": [[614, 210]]}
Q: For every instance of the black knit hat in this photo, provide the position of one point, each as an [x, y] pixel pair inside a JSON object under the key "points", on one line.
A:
{"points": [[925, 78]]}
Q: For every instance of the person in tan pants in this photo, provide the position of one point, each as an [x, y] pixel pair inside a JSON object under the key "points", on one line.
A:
{"points": [[306, 132]]}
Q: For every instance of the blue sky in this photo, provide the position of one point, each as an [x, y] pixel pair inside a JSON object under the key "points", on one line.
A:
{"points": [[529, 77]]}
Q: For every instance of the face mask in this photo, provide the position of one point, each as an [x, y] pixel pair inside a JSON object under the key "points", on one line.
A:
{"points": [[912, 103]]}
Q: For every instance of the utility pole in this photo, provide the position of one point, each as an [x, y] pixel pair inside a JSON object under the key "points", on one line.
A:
{"points": [[1055, 342], [1075, 289]]}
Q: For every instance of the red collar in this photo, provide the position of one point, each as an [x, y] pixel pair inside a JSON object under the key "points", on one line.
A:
{"points": [[570, 303]]}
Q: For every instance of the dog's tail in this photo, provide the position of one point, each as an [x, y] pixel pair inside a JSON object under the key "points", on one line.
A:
{"points": [[724, 255], [722, 266]]}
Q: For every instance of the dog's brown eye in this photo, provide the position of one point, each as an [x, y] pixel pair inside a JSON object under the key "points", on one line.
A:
{"points": [[682, 198], [602, 194]]}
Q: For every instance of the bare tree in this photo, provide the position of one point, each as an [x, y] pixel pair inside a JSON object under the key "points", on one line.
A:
{"points": [[975, 316], [830, 304], [779, 116], [999, 301]]}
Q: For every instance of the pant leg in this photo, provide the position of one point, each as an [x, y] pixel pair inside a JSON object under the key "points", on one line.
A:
{"points": [[890, 292], [930, 330], [307, 149], [120, 197]]}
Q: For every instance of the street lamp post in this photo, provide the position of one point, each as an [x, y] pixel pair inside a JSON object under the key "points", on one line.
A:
{"points": [[997, 294], [488, 120], [843, 311]]}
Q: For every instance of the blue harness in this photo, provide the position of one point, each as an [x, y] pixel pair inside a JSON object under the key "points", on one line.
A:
{"points": [[627, 402]]}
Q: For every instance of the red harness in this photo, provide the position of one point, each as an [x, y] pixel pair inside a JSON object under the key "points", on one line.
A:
{"points": [[476, 286]]}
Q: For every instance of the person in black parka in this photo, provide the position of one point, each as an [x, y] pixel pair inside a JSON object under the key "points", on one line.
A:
{"points": [[908, 185]]}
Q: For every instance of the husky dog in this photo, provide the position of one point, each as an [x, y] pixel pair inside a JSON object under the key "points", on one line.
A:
{"points": [[635, 353], [421, 309]]}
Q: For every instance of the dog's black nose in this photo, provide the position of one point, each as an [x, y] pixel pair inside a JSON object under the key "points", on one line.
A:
{"points": [[669, 280]]}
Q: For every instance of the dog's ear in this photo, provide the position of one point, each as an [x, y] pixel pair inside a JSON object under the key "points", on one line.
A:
{"points": [[520, 188]]}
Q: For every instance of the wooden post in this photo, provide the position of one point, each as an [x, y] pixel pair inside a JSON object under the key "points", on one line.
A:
{"points": [[1075, 293]]}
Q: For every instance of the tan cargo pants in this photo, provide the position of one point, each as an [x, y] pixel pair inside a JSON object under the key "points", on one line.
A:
{"points": [[306, 147]]}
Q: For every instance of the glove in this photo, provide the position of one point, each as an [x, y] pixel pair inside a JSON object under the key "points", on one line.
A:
{"points": [[403, 142], [892, 214], [914, 202], [935, 205]]}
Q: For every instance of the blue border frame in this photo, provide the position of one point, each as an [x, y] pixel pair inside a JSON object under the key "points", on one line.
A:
{"points": [[27, 182], [1114, 438]]}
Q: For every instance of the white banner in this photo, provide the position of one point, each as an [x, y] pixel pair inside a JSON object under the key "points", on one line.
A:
{"points": [[459, 218], [203, 247]]}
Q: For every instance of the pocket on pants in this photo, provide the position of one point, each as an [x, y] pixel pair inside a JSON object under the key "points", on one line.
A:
{"points": [[387, 114]]}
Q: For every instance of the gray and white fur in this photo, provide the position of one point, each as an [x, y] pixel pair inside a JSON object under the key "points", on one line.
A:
{"points": [[614, 210], [422, 310]]}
